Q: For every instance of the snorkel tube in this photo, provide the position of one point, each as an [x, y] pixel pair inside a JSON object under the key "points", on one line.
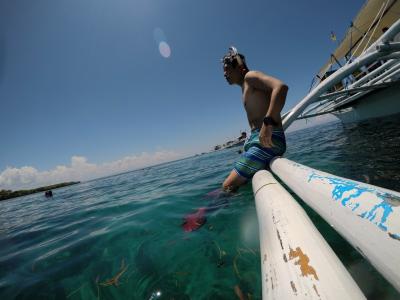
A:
{"points": [[234, 55]]}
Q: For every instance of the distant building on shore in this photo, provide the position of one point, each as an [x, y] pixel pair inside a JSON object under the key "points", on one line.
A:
{"points": [[236, 142]]}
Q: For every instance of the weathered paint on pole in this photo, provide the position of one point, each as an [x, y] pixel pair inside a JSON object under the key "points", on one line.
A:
{"points": [[296, 261], [367, 216]]}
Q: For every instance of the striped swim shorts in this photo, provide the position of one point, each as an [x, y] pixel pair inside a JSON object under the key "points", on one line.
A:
{"points": [[255, 157]]}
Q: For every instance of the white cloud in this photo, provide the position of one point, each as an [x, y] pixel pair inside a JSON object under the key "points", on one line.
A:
{"points": [[80, 170]]}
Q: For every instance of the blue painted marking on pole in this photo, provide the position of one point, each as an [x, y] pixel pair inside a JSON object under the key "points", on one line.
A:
{"points": [[355, 190], [394, 236], [387, 209], [355, 206]]}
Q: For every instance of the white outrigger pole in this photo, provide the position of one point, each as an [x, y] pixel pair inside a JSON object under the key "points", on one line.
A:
{"points": [[296, 262]]}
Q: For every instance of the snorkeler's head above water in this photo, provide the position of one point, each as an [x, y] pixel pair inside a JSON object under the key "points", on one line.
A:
{"points": [[234, 65]]}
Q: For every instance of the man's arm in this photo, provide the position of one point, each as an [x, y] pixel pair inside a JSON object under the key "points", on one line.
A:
{"points": [[277, 88]]}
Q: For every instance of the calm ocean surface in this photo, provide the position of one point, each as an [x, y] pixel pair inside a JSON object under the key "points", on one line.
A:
{"points": [[121, 238]]}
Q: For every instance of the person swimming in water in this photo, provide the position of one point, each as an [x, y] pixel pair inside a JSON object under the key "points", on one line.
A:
{"points": [[263, 98]]}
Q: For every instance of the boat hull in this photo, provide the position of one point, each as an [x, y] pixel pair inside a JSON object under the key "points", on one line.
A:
{"points": [[377, 104]]}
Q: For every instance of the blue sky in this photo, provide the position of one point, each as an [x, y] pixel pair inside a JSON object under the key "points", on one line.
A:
{"points": [[86, 79]]}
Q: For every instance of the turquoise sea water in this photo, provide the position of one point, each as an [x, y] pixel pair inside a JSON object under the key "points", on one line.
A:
{"points": [[120, 237]]}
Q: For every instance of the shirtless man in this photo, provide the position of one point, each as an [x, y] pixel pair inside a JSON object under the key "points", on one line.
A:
{"points": [[263, 98]]}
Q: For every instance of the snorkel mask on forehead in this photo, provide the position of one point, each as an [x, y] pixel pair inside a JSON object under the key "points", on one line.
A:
{"points": [[232, 57]]}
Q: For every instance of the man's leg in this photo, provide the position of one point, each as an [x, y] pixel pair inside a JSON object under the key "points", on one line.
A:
{"points": [[195, 220], [233, 182]]}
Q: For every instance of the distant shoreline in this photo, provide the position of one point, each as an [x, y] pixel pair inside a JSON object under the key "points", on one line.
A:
{"points": [[8, 194]]}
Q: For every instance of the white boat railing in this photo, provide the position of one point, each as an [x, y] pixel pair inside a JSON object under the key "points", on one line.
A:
{"points": [[373, 84], [386, 37], [330, 102], [380, 50], [375, 72], [345, 100], [328, 83]]}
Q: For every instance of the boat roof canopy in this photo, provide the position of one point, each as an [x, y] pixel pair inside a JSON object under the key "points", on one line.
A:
{"points": [[353, 41]]}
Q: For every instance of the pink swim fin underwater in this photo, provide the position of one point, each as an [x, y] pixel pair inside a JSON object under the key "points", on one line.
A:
{"points": [[217, 199], [195, 221]]}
